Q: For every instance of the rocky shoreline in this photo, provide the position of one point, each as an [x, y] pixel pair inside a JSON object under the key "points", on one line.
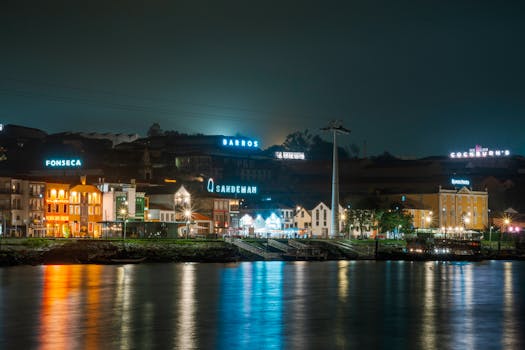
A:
{"points": [[114, 252]]}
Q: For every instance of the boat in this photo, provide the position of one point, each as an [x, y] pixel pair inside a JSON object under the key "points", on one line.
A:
{"points": [[128, 260]]}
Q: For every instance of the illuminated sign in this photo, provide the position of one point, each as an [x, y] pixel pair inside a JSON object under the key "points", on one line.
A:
{"points": [[480, 152], [239, 143], [462, 182], [289, 155], [68, 163], [230, 189]]}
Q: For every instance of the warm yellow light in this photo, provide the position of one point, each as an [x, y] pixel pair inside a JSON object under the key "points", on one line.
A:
{"points": [[187, 213], [507, 221]]}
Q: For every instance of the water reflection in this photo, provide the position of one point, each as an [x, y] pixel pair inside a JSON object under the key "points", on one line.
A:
{"points": [[185, 332], [124, 305], [251, 306], [297, 305], [428, 335], [510, 332], [64, 286], [264, 305]]}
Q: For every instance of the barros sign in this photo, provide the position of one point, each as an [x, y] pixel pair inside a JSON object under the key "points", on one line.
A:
{"points": [[63, 163], [230, 189], [239, 143]]}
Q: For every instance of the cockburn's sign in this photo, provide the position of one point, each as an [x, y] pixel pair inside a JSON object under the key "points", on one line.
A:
{"points": [[481, 152]]}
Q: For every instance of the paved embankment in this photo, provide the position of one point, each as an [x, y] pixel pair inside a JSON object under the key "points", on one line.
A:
{"points": [[77, 251]]}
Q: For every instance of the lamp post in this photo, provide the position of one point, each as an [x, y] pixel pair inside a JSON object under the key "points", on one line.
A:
{"points": [[124, 214], [506, 221], [187, 214]]}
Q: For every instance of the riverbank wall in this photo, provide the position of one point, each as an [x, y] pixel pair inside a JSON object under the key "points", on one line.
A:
{"points": [[71, 251]]}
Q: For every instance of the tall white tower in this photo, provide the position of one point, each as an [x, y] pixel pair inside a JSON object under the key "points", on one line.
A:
{"points": [[335, 126]]}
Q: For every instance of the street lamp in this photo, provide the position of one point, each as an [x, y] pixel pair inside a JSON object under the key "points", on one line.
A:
{"points": [[187, 214], [506, 221], [124, 214]]}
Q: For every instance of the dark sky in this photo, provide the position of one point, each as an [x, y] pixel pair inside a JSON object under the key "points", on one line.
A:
{"points": [[415, 78]]}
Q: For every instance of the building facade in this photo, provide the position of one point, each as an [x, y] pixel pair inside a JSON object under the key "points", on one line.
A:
{"points": [[57, 210], [85, 211], [451, 210]]}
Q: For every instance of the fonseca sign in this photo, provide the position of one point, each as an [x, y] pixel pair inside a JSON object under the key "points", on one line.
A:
{"points": [[230, 189], [63, 163], [239, 143], [481, 152]]}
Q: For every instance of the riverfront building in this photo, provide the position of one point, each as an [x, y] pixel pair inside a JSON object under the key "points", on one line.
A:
{"points": [[85, 210], [447, 209]]}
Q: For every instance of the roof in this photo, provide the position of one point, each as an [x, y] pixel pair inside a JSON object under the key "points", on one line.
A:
{"points": [[200, 217]]}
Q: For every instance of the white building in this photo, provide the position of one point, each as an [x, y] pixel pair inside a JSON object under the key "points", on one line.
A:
{"points": [[287, 217], [321, 220], [177, 202], [303, 221]]}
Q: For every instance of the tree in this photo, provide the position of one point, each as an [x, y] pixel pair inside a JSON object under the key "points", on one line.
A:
{"points": [[299, 141], [396, 221], [155, 130], [313, 145], [359, 219]]}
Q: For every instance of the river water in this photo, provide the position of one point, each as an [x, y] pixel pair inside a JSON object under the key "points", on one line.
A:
{"points": [[265, 305]]}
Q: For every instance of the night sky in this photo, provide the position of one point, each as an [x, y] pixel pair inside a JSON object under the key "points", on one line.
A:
{"points": [[415, 78]]}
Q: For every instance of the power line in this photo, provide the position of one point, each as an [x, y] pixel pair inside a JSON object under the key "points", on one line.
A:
{"points": [[138, 107]]}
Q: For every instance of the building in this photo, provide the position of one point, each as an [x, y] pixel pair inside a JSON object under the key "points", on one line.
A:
{"points": [[321, 220], [176, 202], [21, 207], [122, 201], [302, 221], [85, 210], [57, 210], [450, 210]]}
